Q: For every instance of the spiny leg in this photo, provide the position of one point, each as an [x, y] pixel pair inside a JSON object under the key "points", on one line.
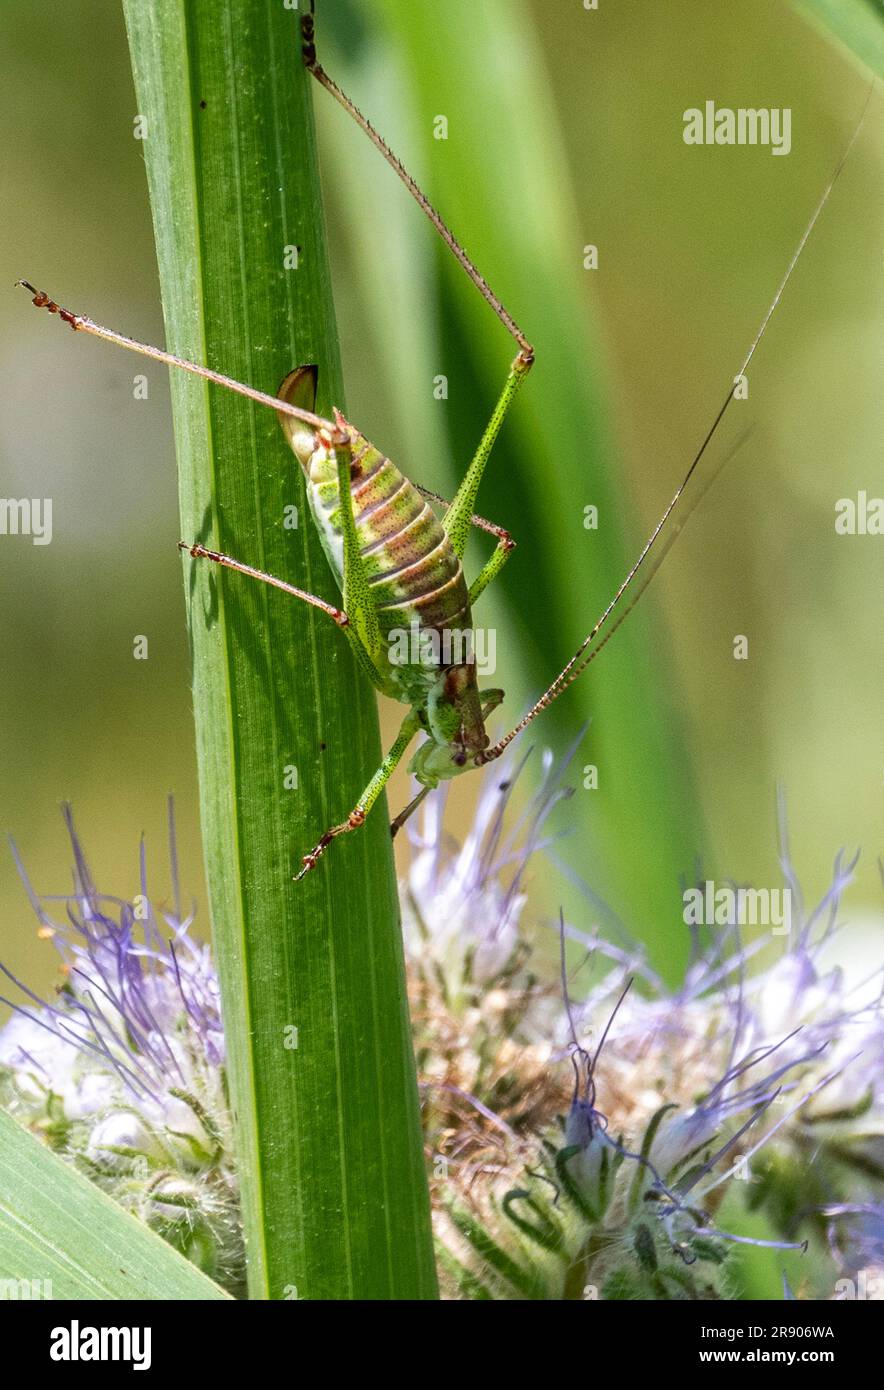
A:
{"points": [[663, 536], [502, 551], [357, 816], [491, 569], [199, 552], [457, 519], [342, 618], [407, 812], [308, 49], [589, 648]]}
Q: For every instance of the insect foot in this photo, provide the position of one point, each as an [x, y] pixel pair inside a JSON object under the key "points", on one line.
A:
{"points": [[42, 301], [355, 819], [308, 42]]}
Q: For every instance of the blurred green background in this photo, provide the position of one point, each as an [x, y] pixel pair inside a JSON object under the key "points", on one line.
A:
{"points": [[564, 128]]}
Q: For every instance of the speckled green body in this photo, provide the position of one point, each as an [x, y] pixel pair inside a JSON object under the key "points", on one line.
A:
{"points": [[418, 589], [407, 574], [415, 578]]}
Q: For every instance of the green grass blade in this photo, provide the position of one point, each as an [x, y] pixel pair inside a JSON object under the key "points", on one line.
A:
{"points": [[857, 24], [58, 1226], [334, 1190]]}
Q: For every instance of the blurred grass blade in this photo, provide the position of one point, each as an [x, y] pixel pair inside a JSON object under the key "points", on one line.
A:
{"points": [[58, 1226], [857, 24], [322, 1075]]}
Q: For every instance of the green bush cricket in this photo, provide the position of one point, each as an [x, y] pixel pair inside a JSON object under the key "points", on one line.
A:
{"points": [[399, 565]]}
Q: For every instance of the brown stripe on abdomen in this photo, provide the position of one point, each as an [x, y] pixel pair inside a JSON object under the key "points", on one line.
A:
{"points": [[414, 573]]}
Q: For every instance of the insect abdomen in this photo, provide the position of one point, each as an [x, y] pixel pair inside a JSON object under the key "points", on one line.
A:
{"points": [[414, 573]]}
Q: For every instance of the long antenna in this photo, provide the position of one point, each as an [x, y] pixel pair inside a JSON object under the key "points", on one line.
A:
{"points": [[582, 657]]}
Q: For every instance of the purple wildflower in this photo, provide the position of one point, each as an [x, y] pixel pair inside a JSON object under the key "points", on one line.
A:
{"points": [[123, 1072], [763, 1047], [761, 1072]]}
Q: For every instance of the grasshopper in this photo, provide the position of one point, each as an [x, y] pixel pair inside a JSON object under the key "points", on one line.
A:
{"points": [[399, 565]]}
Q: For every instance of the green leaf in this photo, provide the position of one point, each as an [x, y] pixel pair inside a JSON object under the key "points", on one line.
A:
{"points": [[572, 1188], [857, 24], [645, 1250], [543, 1229], [712, 1250], [323, 1085], [642, 1172], [58, 1226], [527, 1282], [469, 1285]]}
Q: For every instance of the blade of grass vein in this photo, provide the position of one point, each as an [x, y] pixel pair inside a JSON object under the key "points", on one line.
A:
{"points": [[502, 180], [322, 1075]]}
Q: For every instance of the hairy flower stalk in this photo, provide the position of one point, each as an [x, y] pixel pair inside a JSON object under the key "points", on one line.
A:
{"points": [[582, 1129]]}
